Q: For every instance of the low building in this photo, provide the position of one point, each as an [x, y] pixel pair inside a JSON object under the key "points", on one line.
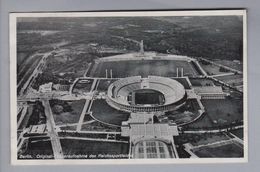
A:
{"points": [[60, 87], [37, 129], [210, 92], [46, 88]]}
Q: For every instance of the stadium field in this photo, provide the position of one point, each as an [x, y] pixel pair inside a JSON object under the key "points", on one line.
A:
{"points": [[121, 69]]}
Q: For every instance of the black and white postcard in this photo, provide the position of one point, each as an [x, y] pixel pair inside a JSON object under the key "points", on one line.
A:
{"points": [[128, 87]]}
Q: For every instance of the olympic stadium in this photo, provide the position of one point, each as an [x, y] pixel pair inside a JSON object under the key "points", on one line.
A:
{"points": [[151, 94]]}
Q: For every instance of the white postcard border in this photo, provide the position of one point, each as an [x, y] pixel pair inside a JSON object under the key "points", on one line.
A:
{"points": [[13, 96]]}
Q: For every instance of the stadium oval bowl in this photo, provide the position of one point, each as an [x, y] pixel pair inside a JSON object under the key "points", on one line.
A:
{"points": [[173, 92]]}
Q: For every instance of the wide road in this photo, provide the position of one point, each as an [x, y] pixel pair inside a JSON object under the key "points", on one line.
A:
{"points": [[55, 141]]}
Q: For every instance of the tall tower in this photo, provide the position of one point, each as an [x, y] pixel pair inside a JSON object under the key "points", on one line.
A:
{"points": [[142, 47]]}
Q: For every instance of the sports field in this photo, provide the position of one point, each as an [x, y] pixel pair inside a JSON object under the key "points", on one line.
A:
{"points": [[121, 69]]}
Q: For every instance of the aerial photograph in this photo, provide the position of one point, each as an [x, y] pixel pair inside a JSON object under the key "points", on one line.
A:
{"points": [[124, 87]]}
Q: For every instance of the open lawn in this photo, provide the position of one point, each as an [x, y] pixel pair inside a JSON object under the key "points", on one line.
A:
{"points": [[202, 123], [144, 68], [96, 148], [185, 114], [104, 113]]}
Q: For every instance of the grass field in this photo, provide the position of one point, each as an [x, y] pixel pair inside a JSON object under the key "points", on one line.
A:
{"points": [[224, 111], [103, 112], [203, 122], [96, 148], [231, 150], [185, 114], [66, 112], [144, 68]]}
